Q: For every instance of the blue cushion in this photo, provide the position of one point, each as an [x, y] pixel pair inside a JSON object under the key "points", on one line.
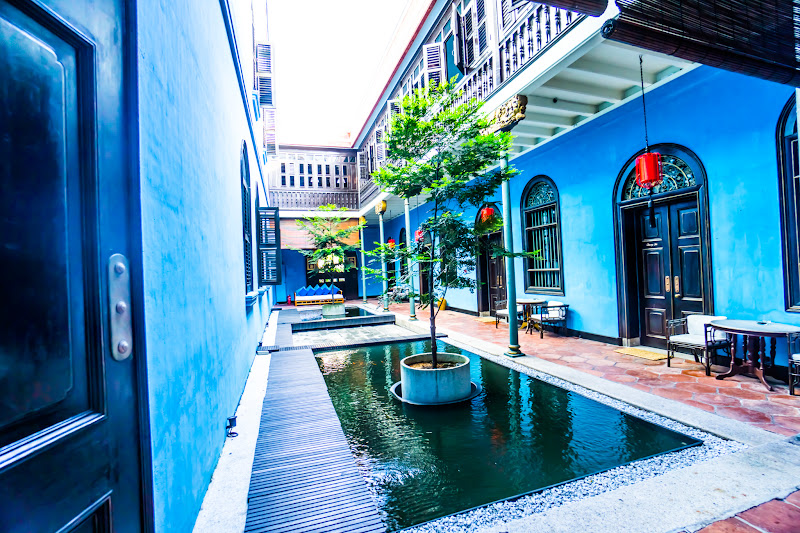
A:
{"points": [[312, 291], [324, 290], [335, 289], [302, 292]]}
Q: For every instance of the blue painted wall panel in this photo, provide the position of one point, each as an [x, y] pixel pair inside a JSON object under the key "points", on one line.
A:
{"points": [[201, 338]]}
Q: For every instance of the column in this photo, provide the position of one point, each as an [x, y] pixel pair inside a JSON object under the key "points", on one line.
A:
{"points": [[511, 279], [385, 296], [411, 303], [363, 222]]}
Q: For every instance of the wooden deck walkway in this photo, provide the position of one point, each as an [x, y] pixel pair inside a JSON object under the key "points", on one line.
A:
{"points": [[304, 476]]}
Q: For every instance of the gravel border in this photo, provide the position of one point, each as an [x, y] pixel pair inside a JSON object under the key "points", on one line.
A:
{"points": [[495, 514]]}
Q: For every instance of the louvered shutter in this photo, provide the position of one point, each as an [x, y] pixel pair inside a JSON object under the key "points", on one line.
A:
{"points": [[434, 59], [380, 146], [458, 36], [247, 226], [269, 247], [264, 74], [469, 36], [481, 37], [362, 165], [264, 58]]}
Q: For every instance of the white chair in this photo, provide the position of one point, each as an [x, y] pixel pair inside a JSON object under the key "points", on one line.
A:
{"points": [[695, 333], [501, 312], [552, 314]]}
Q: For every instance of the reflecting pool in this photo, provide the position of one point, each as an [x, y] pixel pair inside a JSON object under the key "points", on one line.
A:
{"points": [[520, 435]]}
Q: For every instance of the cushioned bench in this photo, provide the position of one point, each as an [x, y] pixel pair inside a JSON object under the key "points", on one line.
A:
{"points": [[317, 295]]}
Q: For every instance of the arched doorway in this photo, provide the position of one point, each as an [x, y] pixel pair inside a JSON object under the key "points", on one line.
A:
{"points": [[401, 241], [490, 271], [424, 268], [663, 263]]}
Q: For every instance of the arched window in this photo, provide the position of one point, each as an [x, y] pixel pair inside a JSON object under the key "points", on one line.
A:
{"points": [[247, 221], [790, 203], [544, 274]]}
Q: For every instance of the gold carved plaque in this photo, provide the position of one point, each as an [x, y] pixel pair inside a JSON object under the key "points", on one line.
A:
{"points": [[508, 115]]}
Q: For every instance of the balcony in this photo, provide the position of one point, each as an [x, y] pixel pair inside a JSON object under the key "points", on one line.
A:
{"points": [[305, 200]]}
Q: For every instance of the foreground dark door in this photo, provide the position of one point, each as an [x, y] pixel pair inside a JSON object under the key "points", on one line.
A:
{"points": [[69, 433], [669, 268], [493, 272]]}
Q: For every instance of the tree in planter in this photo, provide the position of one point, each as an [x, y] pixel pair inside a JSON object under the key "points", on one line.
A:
{"points": [[329, 236], [439, 148]]}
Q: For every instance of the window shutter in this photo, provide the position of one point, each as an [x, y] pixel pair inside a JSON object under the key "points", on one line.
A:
{"points": [[247, 225], [269, 247], [265, 90], [481, 41], [362, 165], [470, 21], [264, 58], [434, 55], [458, 37]]}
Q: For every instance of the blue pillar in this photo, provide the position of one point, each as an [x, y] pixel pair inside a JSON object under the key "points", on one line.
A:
{"points": [[411, 303], [511, 280], [363, 221], [383, 267]]}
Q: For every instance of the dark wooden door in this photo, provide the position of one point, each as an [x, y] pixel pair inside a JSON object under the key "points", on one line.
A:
{"points": [[495, 272], [670, 270], [687, 262], [69, 435], [654, 275]]}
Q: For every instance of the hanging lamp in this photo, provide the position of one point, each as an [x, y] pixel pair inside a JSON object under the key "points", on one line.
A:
{"points": [[649, 172], [419, 235], [391, 243], [487, 213]]}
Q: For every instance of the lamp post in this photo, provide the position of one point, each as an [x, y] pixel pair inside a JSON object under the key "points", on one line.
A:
{"points": [[380, 209], [363, 221], [411, 303]]}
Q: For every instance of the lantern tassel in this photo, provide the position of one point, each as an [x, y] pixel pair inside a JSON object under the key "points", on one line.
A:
{"points": [[652, 210]]}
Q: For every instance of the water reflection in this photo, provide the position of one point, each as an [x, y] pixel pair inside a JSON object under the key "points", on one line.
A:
{"points": [[519, 435]]}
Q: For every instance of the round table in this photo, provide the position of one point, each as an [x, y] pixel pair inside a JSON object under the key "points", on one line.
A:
{"points": [[754, 345], [527, 310]]}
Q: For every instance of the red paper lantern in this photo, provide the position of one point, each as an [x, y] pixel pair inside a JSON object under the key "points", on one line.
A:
{"points": [[648, 170], [487, 213], [419, 235], [391, 243]]}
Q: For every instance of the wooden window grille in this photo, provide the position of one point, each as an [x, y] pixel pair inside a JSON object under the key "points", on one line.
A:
{"points": [[269, 247], [247, 222], [544, 273]]}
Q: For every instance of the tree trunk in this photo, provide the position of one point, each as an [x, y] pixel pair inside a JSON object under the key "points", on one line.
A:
{"points": [[433, 314]]}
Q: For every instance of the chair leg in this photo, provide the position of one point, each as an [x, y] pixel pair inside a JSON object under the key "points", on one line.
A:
{"points": [[669, 353], [541, 330], [707, 353]]}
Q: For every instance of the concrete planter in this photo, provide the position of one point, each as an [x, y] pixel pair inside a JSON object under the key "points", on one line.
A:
{"points": [[430, 387], [332, 310]]}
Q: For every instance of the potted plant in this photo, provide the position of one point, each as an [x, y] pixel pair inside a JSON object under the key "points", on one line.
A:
{"points": [[444, 150], [329, 235]]}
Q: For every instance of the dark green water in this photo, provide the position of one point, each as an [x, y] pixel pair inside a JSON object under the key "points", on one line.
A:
{"points": [[519, 435]]}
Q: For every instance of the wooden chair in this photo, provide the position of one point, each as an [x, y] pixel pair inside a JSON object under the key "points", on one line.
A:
{"points": [[501, 311], [696, 334], [553, 314], [794, 362]]}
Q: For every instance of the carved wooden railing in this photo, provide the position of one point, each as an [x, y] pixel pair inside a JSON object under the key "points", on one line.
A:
{"points": [[369, 189], [478, 84], [311, 200], [531, 36]]}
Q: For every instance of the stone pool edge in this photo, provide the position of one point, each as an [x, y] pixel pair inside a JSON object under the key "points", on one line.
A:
{"points": [[748, 451]]}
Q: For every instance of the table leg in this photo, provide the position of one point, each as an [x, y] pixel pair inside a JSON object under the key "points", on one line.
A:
{"points": [[734, 369], [759, 354]]}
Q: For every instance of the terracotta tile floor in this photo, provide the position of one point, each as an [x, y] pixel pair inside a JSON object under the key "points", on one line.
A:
{"points": [[740, 397], [774, 516]]}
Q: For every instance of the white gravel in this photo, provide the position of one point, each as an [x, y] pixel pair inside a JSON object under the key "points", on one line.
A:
{"points": [[495, 514]]}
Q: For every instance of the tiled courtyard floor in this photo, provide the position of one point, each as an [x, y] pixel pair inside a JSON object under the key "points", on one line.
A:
{"points": [[741, 398], [775, 516]]}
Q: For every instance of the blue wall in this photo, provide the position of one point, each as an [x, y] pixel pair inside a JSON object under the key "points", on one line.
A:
{"points": [[729, 121], [201, 338]]}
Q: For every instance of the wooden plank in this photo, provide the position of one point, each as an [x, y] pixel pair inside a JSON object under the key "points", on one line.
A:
{"points": [[304, 477]]}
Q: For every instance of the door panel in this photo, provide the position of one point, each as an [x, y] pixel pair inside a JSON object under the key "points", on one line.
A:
{"points": [[687, 264], [68, 412], [496, 273], [670, 269], [653, 245]]}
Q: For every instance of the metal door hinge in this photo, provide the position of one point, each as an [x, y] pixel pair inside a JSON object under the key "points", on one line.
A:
{"points": [[119, 307]]}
